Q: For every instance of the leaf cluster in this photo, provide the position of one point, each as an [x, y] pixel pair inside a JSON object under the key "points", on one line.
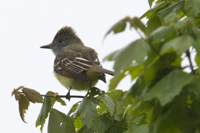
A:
{"points": [[95, 113], [24, 97], [166, 96]]}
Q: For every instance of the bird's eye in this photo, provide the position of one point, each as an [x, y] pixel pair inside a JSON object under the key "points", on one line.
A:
{"points": [[60, 40]]}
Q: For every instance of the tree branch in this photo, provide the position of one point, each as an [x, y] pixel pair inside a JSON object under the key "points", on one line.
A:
{"points": [[63, 96], [189, 58]]}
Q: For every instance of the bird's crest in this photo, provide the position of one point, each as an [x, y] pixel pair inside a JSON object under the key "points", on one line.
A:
{"points": [[65, 32]]}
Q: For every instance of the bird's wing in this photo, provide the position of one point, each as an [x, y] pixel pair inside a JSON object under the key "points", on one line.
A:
{"points": [[72, 64]]}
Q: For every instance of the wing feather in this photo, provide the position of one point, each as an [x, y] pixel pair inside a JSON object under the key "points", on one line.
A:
{"points": [[74, 64]]}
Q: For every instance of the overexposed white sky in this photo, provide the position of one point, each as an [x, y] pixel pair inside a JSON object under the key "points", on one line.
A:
{"points": [[27, 25]]}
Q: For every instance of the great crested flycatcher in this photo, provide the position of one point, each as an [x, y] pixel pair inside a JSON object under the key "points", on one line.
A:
{"points": [[75, 66]]}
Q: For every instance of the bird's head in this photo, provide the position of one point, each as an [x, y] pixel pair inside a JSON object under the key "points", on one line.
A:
{"points": [[64, 37]]}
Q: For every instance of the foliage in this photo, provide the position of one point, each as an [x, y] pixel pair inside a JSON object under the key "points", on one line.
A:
{"points": [[165, 97]]}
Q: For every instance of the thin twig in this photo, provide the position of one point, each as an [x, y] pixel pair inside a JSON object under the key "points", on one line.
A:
{"points": [[139, 34], [63, 96], [130, 20], [189, 58]]}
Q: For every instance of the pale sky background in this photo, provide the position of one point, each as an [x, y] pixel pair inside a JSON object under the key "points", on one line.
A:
{"points": [[28, 24]]}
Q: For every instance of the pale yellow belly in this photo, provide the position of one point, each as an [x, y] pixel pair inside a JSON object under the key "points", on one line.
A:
{"points": [[76, 85]]}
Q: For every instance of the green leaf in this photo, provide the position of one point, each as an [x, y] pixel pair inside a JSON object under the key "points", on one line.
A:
{"points": [[152, 11], [150, 2], [169, 128], [60, 123], [138, 88], [184, 24], [108, 102], [73, 109], [16, 91], [139, 129], [87, 130], [115, 95], [118, 27], [161, 33], [17, 94], [32, 95], [158, 70], [119, 117], [192, 8], [196, 46], [197, 19], [159, 5], [117, 126], [105, 123], [147, 14], [102, 109], [88, 114], [178, 116], [115, 81], [19, 88], [181, 44], [175, 7], [111, 56], [23, 106], [78, 124], [55, 98], [137, 23], [196, 32], [169, 87], [62, 102], [170, 19], [136, 113], [95, 91], [197, 60], [136, 71], [46, 107], [122, 104], [153, 23], [136, 51]]}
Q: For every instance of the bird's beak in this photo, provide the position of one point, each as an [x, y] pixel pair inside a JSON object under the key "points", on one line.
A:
{"points": [[47, 46]]}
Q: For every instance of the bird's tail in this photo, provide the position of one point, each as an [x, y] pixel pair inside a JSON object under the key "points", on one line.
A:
{"points": [[101, 70], [107, 71]]}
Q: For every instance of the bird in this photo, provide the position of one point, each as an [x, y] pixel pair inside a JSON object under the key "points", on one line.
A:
{"points": [[76, 66]]}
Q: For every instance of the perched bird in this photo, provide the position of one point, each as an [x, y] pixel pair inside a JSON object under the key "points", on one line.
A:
{"points": [[75, 66]]}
